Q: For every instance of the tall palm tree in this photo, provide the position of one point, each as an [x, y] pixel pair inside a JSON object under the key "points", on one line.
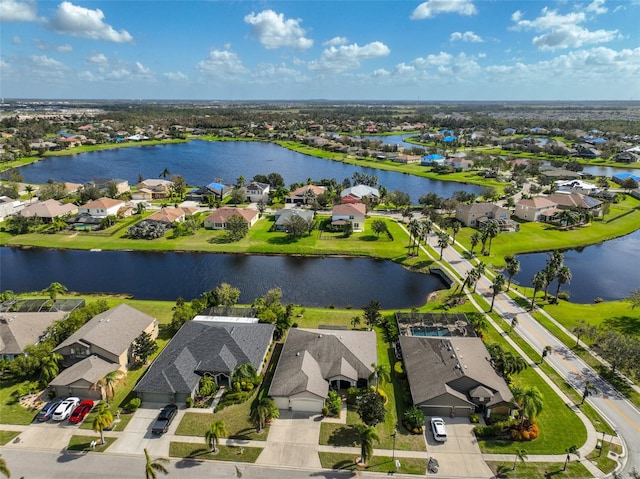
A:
{"points": [[108, 383], [216, 431], [589, 389], [414, 233], [539, 282], [102, 420], [496, 287], [427, 228], [545, 352], [29, 190], [443, 242], [475, 239], [263, 411], [153, 467], [491, 227], [54, 289], [522, 455], [4, 469], [455, 228], [512, 267], [479, 271], [572, 450], [380, 371], [49, 367], [165, 173], [367, 436], [514, 323], [563, 276], [530, 402], [355, 321]]}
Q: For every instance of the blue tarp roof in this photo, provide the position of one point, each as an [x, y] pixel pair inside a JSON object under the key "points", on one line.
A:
{"points": [[217, 186], [446, 132], [449, 139], [624, 176]]}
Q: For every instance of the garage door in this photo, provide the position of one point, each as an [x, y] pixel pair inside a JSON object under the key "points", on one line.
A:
{"points": [[445, 411], [307, 405]]}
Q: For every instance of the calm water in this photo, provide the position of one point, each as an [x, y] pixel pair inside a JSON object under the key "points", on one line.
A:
{"points": [[609, 270], [201, 162], [167, 276]]}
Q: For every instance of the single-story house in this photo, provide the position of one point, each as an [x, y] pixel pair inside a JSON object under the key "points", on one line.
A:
{"points": [[257, 191], [453, 376], [218, 191], [9, 206], [103, 184], [108, 335], [199, 348], [476, 213], [538, 208], [313, 361], [576, 186], [102, 207], [282, 217], [80, 379], [304, 194], [48, 210], [459, 164], [217, 220], [357, 193], [573, 201], [628, 156], [406, 159], [171, 215], [432, 159], [19, 330], [353, 213]]}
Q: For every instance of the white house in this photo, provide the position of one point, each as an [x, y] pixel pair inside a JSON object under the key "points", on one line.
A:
{"points": [[101, 208]]}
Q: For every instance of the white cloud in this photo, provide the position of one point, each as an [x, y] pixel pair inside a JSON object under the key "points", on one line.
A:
{"points": [[16, 40], [597, 7], [176, 76], [431, 8], [18, 11], [274, 31], [465, 37], [562, 31], [66, 48], [46, 68], [98, 59], [222, 64], [83, 22], [346, 57], [335, 42], [268, 73], [142, 71], [516, 16]]}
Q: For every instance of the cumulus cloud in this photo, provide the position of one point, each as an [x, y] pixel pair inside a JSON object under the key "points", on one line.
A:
{"points": [[98, 59], [562, 31], [16, 40], [86, 23], [115, 69], [347, 57], [335, 41], [66, 48], [597, 7], [222, 64], [431, 8], [176, 76], [269, 73], [274, 31], [18, 11], [42, 66], [465, 37]]}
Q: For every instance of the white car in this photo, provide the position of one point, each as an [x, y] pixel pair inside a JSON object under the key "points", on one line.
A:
{"points": [[439, 429], [64, 410]]}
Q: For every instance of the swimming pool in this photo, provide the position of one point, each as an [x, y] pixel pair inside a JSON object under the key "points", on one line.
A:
{"points": [[429, 331]]}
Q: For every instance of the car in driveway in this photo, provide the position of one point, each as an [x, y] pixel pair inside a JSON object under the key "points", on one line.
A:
{"points": [[439, 429], [66, 407], [166, 416], [47, 411], [81, 411]]}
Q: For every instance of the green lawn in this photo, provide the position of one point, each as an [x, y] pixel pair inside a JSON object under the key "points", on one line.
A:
{"points": [[540, 470], [346, 462], [189, 450], [83, 443], [11, 412], [8, 436]]}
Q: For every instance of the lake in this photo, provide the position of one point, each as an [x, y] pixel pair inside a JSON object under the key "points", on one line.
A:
{"points": [[201, 162], [311, 281], [608, 270]]}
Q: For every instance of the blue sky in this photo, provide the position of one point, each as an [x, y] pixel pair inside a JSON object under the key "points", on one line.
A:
{"points": [[336, 50]]}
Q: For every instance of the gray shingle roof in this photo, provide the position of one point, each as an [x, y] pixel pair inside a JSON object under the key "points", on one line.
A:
{"points": [[310, 357], [90, 369], [19, 330], [205, 346]]}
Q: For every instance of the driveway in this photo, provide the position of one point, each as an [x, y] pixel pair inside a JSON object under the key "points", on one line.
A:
{"points": [[461, 443], [293, 441]]}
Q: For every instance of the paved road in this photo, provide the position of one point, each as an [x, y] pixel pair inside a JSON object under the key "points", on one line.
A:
{"points": [[623, 416]]}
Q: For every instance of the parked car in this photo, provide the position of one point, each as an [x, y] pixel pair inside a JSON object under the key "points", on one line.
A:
{"points": [[168, 413], [439, 429], [81, 411], [66, 407], [47, 411]]}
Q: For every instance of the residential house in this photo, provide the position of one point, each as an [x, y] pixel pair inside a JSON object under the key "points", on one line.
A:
{"points": [[152, 189], [217, 220], [459, 164], [81, 378], [305, 194], [170, 215], [575, 201], [476, 214], [538, 208], [102, 207], [9, 206], [357, 193], [257, 192], [218, 191], [406, 159], [282, 217], [576, 186], [432, 159], [453, 376], [353, 213], [19, 330], [313, 361], [104, 184], [213, 348], [48, 210], [585, 150], [560, 174]]}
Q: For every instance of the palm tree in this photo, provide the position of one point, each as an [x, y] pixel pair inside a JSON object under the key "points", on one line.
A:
{"points": [[545, 352], [102, 420], [54, 289], [514, 323], [427, 228], [455, 228], [263, 411], [443, 242], [245, 371], [367, 436], [539, 282], [588, 390], [475, 239], [29, 190], [496, 287], [241, 181], [165, 173], [530, 402], [572, 450], [108, 383], [216, 431], [479, 271], [563, 276], [4, 469], [355, 322], [491, 227], [152, 468], [49, 367], [512, 364], [520, 454], [479, 324], [512, 268], [568, 218], [380, 371]]}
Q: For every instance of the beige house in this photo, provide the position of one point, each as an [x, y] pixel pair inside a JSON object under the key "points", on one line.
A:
{"points": [[81, 378], [19, 330], [477, 213], [102, 207], [353, 213], [171, 215], [218, 219], [152, 189], [49, 210], [305, 194], [538, 208]]}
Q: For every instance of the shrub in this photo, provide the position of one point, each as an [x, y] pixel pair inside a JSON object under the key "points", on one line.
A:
{"points": [[598, 300], [189, 401], [207, 386], [474, 418], [413, 418], [325, 411], [133, 405], [564, 295], [398, 369], [352, 395], [334, 403]]}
